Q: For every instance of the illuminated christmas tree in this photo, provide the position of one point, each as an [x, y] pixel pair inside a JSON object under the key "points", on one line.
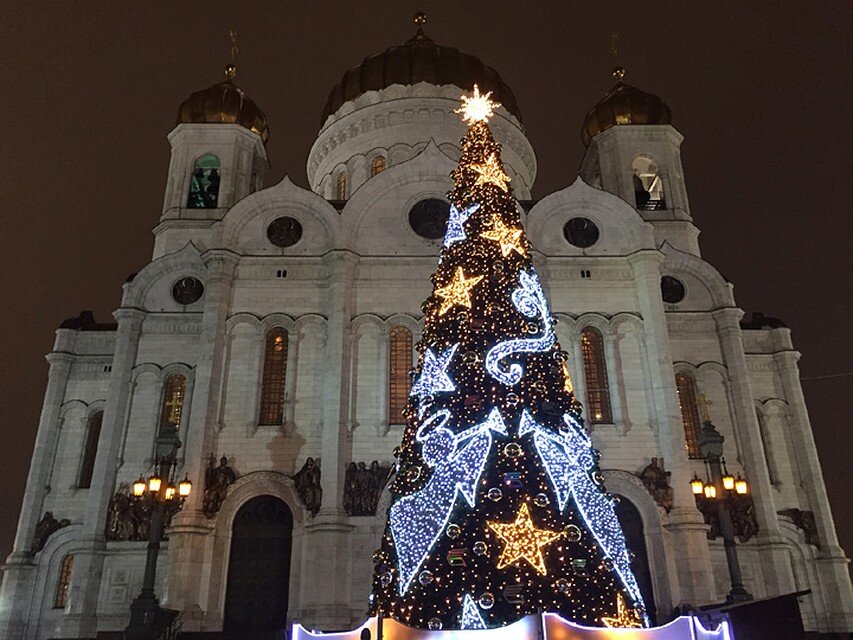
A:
{"points": [[498, 506]]}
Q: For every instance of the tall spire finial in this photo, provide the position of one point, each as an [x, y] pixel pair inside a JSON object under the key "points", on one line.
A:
{"points": [[231, 68], [420, 19], [618, 70]]}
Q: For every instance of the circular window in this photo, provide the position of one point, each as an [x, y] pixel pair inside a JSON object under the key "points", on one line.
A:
{"points": [[581, 232], [187, 290], [284, 231], [671, 290], [429, 218]]}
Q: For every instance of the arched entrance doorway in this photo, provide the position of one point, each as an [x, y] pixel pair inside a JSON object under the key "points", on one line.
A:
{"points": [[632, 527], [259, 569]]}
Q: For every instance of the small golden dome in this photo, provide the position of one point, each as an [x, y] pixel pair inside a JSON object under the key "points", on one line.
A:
{"points": [[224, 103], [624, 104]]}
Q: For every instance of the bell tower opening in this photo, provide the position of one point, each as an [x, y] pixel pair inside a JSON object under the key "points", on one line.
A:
{"points": [[648, 186]]}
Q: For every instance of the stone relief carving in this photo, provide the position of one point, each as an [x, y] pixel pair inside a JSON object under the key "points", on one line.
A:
{"points": [[656, 481], [362, 487], [307, 483], [46, 527], [742, 510], [217, 479], [129, 516], [803, 520]]}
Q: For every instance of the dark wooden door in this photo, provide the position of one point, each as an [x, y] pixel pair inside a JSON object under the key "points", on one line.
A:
{"points": [[259, 569], [632, 527]]}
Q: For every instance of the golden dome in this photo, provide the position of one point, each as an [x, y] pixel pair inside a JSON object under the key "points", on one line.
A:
{"points": [[225, 103], [624, 104], [419, 60]]}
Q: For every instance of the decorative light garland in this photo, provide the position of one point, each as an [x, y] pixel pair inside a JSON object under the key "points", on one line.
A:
{"points": [[455, 224]]}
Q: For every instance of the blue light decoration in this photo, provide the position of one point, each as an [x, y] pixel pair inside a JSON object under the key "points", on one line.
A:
{"points": [[471, 618], [568, 459], [455, 229], [530, 301], [434, 377], [417, 520]]}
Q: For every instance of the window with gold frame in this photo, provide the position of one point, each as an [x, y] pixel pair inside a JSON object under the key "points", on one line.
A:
{"points": [[274, 374], [174, 395], [399, 380], [63, 581], [598, 410], [377, 165], [689, 405]]}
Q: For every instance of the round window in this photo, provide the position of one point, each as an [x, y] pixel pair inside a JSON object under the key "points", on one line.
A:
{"points": [[581, 232], [671, 290], [284, 231], [429, 218], [187, 290]]}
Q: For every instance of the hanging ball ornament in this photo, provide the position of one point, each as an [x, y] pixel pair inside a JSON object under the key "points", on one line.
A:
{"points": [[425, 577], [573, 533], [385, 579], [480, 547], [561, 356], [434, 624], [453, 531], [512, 450], [486, 601], [494, 494], [597, 478], [471, 357], [541, 500], [462, 316], [498, 266], [532, 327], [563, 586], [413, 473], [512, 399], [607, 564]]}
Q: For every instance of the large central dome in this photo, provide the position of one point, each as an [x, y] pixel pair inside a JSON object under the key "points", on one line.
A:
{"points": [[419, 60]]}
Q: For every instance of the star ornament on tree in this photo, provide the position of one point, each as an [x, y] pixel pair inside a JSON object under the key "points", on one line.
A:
{"points": [[434, 377], [507, 237], [458, 292], [523, 541], [477, 108], [625, 617], [491, 172]]}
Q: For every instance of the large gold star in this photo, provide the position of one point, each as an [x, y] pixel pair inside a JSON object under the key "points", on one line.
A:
{"points": [[625, 617], [491, 172], [523, 541], [507, 237], [458, 292], [477, 108]]}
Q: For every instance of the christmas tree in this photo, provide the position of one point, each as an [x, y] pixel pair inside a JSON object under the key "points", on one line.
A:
{"points": [[498, 505]]}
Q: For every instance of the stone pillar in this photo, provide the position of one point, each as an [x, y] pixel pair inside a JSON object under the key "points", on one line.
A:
{"points": [[81, 619], [832, 565], [692, 581], [19, 572], [326, 584], [190, 527], [776, 572]]}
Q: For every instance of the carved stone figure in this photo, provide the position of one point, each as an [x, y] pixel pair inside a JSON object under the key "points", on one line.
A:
{"points": [[307, 481], [129, 516], [804, 520], [217, 479], [362, 487], [46, 527], [741, 510], [656, 481]]}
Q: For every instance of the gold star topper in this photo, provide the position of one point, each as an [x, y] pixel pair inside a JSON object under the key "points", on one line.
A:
{"points": [[523, 541], [625, 618], [477, 108], [507, 237], [491, 172], [458, 292]]}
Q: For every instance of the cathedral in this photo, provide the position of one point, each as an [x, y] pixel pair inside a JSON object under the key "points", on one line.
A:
{"points": [[263, 357]]}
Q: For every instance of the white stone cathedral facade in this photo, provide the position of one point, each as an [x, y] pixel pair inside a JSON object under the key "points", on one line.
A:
{"points": [[277, 324]]}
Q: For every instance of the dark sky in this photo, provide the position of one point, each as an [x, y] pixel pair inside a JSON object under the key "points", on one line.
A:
{"points": [[760, 90]]}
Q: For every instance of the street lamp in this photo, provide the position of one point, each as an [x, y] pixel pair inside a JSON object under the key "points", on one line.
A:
{"points": [[164, 498], [719, 492]]}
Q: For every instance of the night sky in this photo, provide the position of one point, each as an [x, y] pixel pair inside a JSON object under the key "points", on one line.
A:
{"points": [[761, 92]]}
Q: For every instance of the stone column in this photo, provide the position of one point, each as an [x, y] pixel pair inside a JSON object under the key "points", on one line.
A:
{"points": [[692, 581], [81, 620], [832, 565], [190, 526], [776, 572], [325, 584], [19, 572], [294, 337]]}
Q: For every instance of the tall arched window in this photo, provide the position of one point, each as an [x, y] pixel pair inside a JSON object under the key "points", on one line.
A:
{"points": [[688, 401], [62, 582], [399, 381], [204, 183], [648, 187], [341, 186], [595, 373], [174, 394], [378, 165], [275, 369], [90, 450]]}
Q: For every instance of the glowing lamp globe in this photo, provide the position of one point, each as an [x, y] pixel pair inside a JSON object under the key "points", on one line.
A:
{"points": [[697, 485], [139, 487], [185, 487], [741, 486], [710, 491], [154, 483]]}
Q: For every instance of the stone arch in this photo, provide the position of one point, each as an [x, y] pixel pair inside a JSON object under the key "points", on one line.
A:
{"points": [[63, 542], [140, 291], [720, 291]]}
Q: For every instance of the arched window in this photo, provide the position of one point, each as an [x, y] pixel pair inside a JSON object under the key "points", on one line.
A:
{"points": [[204, 183], [90, 450], [341, 186], [378, 165], [595, 373], [275, 369], [62, 583], [648, 187], [174, 394], [687, 400], [399, 382]]}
